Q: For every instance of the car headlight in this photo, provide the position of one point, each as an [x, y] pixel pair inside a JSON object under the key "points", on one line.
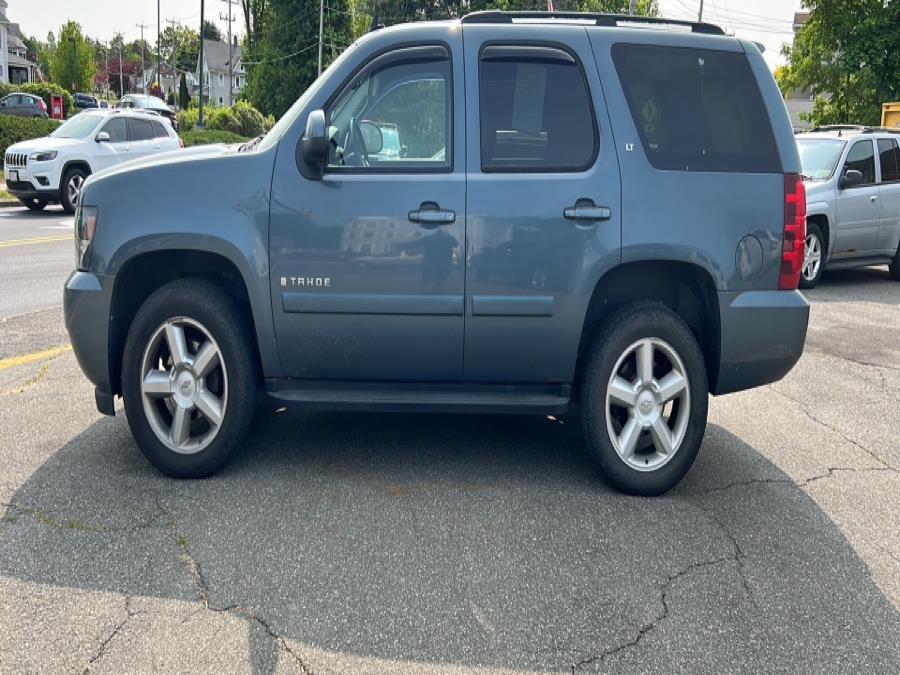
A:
{"points": [[85, 226], [43, 156]]}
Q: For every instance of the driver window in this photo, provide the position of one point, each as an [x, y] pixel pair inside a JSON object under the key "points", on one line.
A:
{"points": [[862, 158], [395, 118], [116, 130]]}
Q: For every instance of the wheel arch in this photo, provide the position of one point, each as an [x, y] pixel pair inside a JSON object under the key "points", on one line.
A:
{"points": [[73, 164], [822, 221], [686, 288]]}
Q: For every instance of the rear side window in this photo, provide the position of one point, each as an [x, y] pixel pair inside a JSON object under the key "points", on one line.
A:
{"points": [[159, 130], [140, 130], [890, 160], [697, 109], [536, 111], [862, 158]]}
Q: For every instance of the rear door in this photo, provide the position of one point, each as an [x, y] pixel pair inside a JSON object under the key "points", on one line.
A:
{"points": [[543, 199], [858, 210], [889, 196]]}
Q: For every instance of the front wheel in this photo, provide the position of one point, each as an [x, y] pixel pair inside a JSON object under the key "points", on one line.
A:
{"points": [[70, 190], [34, 204], [188, 378], [644, 398], [813, 257]]}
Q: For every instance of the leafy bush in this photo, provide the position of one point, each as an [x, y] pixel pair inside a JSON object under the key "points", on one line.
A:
{"points": [[44, 90], [15, 129], [187, 119], [209, 136], [241, 119]]}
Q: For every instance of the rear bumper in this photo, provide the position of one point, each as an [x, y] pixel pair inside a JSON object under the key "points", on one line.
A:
{"points": [[86, 305], [762, 337]]}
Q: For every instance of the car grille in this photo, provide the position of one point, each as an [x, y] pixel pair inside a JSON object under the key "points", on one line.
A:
{"points": [[16, 159]]}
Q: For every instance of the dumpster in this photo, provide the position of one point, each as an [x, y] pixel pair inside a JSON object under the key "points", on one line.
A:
{"points": [[890, 115]]}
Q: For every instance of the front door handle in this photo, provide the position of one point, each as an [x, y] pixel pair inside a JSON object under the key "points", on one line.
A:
{"points": [[429, 214], [586, 210]]}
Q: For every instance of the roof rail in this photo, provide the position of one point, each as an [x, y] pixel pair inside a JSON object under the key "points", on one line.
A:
{"points": [[609, 20], [861, 128]]}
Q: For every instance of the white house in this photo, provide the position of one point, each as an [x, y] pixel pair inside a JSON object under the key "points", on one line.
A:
{"points": [[14, 64], [215, 72]]}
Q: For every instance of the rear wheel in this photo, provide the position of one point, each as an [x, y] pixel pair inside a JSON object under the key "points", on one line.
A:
{"points": [[813, 257], [34, 204], [894, 268], [188, 378], [644, 399], [71, 189]]}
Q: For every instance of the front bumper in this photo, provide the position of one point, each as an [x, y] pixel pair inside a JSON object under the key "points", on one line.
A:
{"points": [[36, 180], [762, 337], [86, 305]]}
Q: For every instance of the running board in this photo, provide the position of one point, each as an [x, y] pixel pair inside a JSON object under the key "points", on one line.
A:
{"points": [[414, 397]]}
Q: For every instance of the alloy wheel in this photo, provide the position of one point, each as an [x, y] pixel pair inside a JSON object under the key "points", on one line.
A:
{"points": [[647, 404], [73, 189], [812, 258], [184, 385]]}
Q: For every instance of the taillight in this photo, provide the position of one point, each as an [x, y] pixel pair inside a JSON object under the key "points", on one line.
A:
{"points": [[794, 232], [180, 142]]}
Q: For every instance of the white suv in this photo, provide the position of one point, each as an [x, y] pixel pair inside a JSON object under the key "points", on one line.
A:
{"points": [[53, 168], [852, 180]]}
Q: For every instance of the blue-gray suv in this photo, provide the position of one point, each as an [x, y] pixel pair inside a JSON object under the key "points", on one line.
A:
{"points": [[585, 214]]}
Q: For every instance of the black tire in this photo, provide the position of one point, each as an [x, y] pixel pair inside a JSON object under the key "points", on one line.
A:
{"points": [[207, 304], [894, 267], [814, 231], [621, 330], [33, 204], [67, 204]]}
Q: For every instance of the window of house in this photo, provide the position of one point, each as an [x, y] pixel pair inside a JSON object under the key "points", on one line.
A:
{"points": [[889, 155]]}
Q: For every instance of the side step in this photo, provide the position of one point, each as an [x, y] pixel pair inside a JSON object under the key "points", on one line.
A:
{"points": [[416, 397]]}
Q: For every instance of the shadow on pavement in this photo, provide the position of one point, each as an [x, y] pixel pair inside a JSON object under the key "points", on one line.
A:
{"points": [[865, 284], [461, 541]]}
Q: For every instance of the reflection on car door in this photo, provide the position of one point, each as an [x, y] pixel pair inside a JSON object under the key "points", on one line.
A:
{"points": [[857, 206], [367, 260], [117, 149], [889, 196]]}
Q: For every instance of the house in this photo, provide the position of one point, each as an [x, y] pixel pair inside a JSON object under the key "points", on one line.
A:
{"points": [[15, 67], [215, 72], [799, 102]]}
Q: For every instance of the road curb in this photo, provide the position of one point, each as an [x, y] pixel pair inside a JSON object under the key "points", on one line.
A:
{"points": [[12, 203]]}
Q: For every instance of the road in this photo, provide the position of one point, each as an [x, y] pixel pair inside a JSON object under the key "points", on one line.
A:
{"points": [[372, 543]]}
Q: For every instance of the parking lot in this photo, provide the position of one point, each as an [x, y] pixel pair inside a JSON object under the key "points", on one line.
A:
{"points": [[361, 542]]}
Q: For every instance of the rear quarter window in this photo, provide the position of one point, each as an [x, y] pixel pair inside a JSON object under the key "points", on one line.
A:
{"points": [[696, 109]]}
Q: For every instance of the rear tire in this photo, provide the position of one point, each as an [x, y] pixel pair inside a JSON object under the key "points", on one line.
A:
{"points": [[33, 204], [894, 267], [814, 257], [188, 413], [70, 189], [645, 354]]}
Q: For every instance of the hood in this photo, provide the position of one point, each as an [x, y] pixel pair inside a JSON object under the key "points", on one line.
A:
{"points": [[45, 143], [197, 153], [817, 189]]}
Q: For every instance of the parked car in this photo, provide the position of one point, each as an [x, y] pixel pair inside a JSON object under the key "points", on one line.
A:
{"points": [[658, 221], [150, 103], [852, 177], [85, 102], [104, 105], [23, 105], [53, 169]]}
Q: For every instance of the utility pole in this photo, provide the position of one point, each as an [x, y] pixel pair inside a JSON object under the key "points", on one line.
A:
{"points": [[121, 80], [106, 72], [200, 68], [74, 63], [229, 19], [158, 69], [700, 15], [142, 26], [633, 10], [321, 27]]}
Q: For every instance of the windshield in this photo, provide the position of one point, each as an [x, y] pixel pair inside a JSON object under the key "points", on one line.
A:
{"points": [[819, 156], [80, 126], [287, 120]]}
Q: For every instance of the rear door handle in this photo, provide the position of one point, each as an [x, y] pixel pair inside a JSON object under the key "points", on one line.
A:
{"points": [[429, 214], [586, 210]]}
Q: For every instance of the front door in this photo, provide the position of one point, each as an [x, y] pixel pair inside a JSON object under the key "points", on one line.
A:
{"points": [[117, 149], [367, 260], [543, 199], [858, 210]]}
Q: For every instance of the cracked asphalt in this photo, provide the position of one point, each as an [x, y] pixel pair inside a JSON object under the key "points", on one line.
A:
{"points": [[373, 543]]}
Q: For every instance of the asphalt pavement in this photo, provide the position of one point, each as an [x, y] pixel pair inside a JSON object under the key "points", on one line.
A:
{"points": [[404, 543]]}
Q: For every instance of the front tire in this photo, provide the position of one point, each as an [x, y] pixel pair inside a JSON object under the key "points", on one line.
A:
{"points": [[189, 378], [70, 189], [34, 204], [813, 257], [643, 398]]}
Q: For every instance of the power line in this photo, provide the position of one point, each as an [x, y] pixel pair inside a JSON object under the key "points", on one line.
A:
{"points": [[282, 58]]}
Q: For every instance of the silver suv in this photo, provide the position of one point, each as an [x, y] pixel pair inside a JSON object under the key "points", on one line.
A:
{"points": [[852, 177]]}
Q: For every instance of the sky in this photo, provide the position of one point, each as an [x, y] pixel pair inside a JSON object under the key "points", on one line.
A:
{"points": [[765, 21]]}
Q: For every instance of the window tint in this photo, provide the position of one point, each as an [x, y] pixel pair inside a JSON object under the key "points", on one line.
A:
{"points": [[862, 158], [140, 130], [536, 111], [116, 130], [159, 130], [697, 109], [395, 118], [890, 160]]}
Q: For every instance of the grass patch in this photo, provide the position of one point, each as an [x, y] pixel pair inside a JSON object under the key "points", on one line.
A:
{"points": [[6, 197], [210, 136]]}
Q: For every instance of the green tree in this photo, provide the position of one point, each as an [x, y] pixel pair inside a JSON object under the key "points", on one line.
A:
{"points": [[184, 97], [848, 57], [211, 31], [73, 62], [180, 46]]}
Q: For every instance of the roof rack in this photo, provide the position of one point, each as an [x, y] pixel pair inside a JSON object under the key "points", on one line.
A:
{"points": [[608, 20], [861, 128]]}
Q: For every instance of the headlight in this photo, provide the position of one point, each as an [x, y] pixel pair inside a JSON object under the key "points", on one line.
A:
{"points": [[43, 156], [85, 226]]}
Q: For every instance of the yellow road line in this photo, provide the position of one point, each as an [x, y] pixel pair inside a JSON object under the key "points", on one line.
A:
{"points": [[14, 361], [35, 240]]}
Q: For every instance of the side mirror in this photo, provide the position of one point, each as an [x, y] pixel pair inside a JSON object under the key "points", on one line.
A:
{"points": [[314, 143], [372, 137], [851, 178], [102, 137]]}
